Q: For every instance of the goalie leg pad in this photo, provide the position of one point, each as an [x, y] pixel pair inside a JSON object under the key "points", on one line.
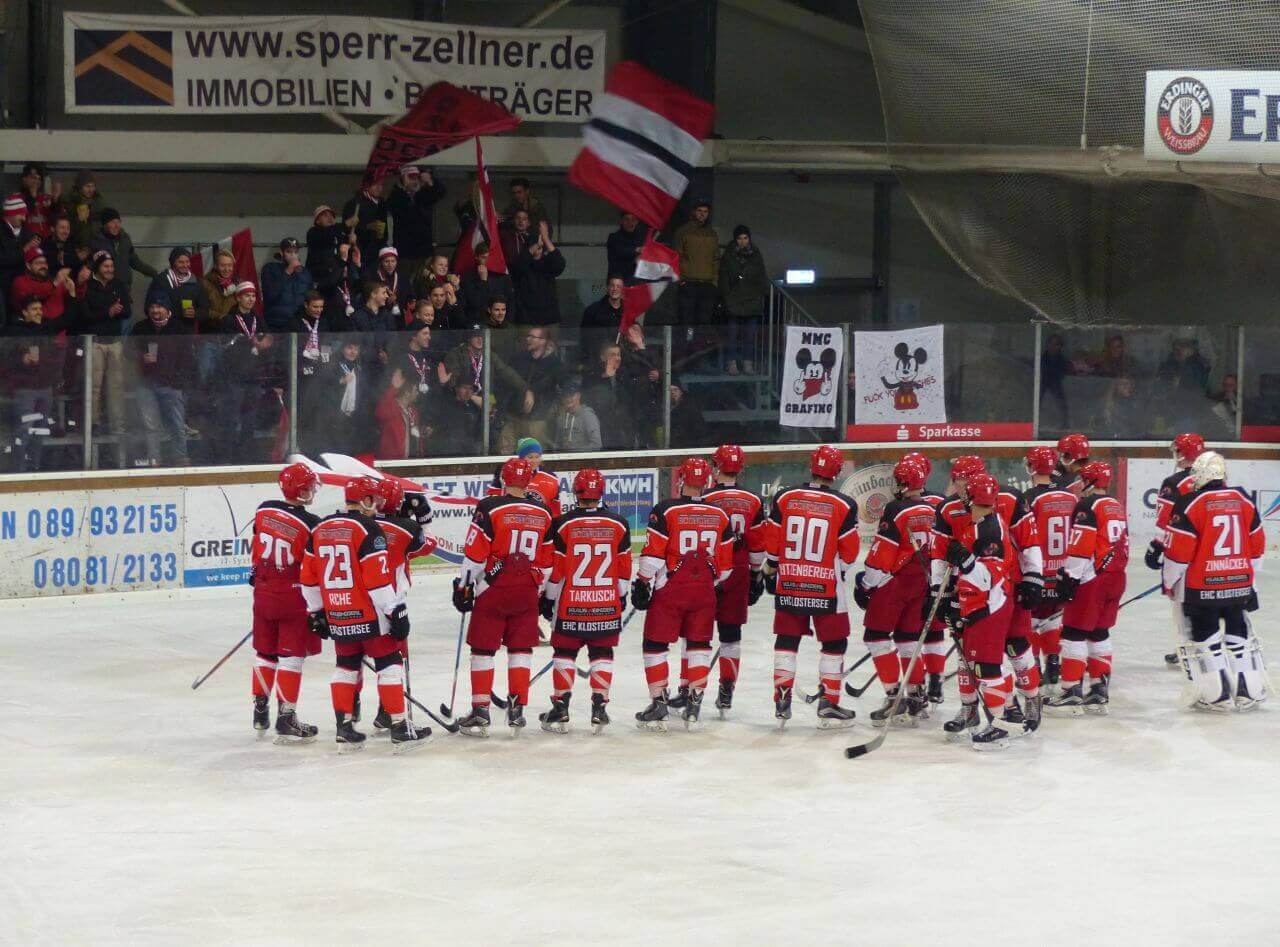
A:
{"points": [[1209, 688], [1246, 665]]}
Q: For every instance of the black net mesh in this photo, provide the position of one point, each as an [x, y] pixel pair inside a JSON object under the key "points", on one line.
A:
{"points": [[1016, 128]]}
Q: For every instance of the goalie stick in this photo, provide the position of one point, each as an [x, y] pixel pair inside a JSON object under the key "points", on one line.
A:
{"points": [[450, 726]]}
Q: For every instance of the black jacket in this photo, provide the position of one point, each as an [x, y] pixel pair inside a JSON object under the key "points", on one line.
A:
{"points": [[322, 247], [535, 283], [45, 372], [621, 247], [413, 218], [174, 354], [475, 294], [543, 376], [98, 299], [371, 231]]}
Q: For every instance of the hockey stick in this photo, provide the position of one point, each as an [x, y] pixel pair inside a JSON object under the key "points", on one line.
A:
{"points": [[208, 674], [1140, 595], [451, 727], [862, 749], [810, 698], [447, 709]]}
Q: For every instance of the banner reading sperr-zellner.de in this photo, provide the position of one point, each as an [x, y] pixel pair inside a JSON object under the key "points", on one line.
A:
{"points": [[165, 65]]}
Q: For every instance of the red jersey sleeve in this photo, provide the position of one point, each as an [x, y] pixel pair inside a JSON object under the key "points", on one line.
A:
{"points": [[724, 552], [1083, 542], [1025, 533], [654, 555]]}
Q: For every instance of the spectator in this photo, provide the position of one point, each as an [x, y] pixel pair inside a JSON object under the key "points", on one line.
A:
{"points": [[1184, 369], [688, 427], [465, 361], [459, 423], [31, 371], [220, 289], [248, 367], [1054, 368], [744, 284], [640, 366], [1226, 403], [615, 397], [116, 240], [308, 323], [504, 341], [62, 250], [435, 273], [164, 365], [15, 241], [1264, 408], [517, 236], [602, 320], [481, 285], [412, 206], [340, 284], [108, 309], [423, 366], [523, 199], [348, 402], [424, 313], [285, 281], [374, 319], [534, 276], [577, 427], [1124, 414], [699, 249], [531, 403], [623, 246], [397, 417], [448, 315], [84, 206], [397, 290], [365, 215], [53, 293], [1113, 361], [39, 204], [324, 236], [177, 287]]}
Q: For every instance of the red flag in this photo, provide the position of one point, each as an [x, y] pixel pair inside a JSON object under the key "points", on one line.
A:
{"points": [[484, 229], [442, 117], [240, 244], [657, 266], [642, 143]]}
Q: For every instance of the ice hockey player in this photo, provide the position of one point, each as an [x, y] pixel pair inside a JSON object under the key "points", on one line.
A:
{"points": [[891, 590], [1073, 453], [507, 554], [406, 540], [933, 499], [1213, 547], [981, 555], [544, 486], [1091, 585], [1186, 448], [935, 649], [687, 553], [811, 541], [745, 586], [281, 636], [1027, 578], [585, 598], [1053, 508], [347, 583]]}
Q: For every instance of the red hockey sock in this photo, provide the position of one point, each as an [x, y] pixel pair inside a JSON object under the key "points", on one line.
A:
{"points": [[830, 668], [289, 680], [562, 672], [1074, 656], [935, 657], [996, 692], [655, 671], [518, 675], [699, 664], [342, 687], [684, 669], [481, 679], [264, 676], [964, 680], [905, 650], [601, 676], [730, 660], [391, 690], [784, 670], [1051, 641], [1098, 666], [888, 668]]}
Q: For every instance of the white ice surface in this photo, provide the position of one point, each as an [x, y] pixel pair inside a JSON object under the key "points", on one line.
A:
{"points": [[136, 811]]}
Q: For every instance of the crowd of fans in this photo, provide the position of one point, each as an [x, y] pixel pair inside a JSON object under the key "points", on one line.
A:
{"points": [[389, 337]]}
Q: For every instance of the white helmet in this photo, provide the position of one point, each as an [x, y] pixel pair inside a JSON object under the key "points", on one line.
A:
{"points": [[1208, 467]]}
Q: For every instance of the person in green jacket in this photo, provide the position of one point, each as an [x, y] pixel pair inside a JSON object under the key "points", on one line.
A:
{"points": [[699, 249], [743, 287]]}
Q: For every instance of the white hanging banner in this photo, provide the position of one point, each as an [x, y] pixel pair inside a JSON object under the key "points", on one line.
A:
{"points": [[811, 377], [899, 377]]}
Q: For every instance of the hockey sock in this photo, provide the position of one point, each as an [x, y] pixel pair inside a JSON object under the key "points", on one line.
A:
{"points": [[964, 680], [518, 663], [996, 691], [699, 664], [391, 690], [784, 669], [264, 674], [730, 661], [935, 656], [342, 686], [289, 681], [601, 670], [1051, 639], [1099, 664], [655, 667], [481, 678], [563, 668], [830, 674], [1027, 672], [905, 650], [684, 664], [1074, 656], [885, 657]]}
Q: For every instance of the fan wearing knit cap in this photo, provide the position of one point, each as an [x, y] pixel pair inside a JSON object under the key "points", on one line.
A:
{"points": [[179, 291], [744, 286], [15, 240], [113, 238]]}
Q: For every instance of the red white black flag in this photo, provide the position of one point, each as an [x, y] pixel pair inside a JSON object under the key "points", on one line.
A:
{"points": [[657, 267], [484, 229], [642, 143]]}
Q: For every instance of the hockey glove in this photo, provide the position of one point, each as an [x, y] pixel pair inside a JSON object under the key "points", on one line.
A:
{"points": [[464, 596], [253, 577], [1029, 592], [318, 623], [1155, 555], [546, 607], [399, 620], [641, 594], [1067, 586], [951, 615], [622, 599], [861, 594], [960, 557], [926, 606], [756, 589], [1252, 604]]}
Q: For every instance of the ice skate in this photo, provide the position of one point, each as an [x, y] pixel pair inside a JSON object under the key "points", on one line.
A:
{"points": [[261, 714], [405, 736], [1069, 703], [1171, 660], [1033, 714], [599, 713], [692, 709], [1095, 702], [654, 717], [347, 736], [355, 709], [914, 709], [966, 719], [556, 720], [476, 723], [880, 716], [1013, 714], [1052, 669], [990, 738], [382, 722], [678, 702], [724, 698], [782, 705], [289, 730], [1245, 701], [515, 715], [833, 716], [935, 689]]}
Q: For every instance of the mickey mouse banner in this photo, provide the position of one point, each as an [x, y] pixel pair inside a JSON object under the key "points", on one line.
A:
{"points": [[811, 377], [899, 377]]}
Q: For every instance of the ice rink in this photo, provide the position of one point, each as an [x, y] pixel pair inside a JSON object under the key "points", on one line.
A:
{"points": [[136, 811]]}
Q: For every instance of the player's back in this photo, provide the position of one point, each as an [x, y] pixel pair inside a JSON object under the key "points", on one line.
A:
{"points": [[1113, 533], [1177, 484], [813, 536], [592, 566], [1052, 508], [745, 509], [903, 537], [685, 526], [347, 561], [280, 534], [1217, 531], [506, 526]]}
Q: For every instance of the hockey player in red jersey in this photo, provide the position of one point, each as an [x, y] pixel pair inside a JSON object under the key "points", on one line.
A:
{"points": [[687, 553], [1073, 454], [891, 590], [1186, 448], [1053, 508], [1027, 578], [745, 586], [282, 638], [933, 499], [544, 486], [348, 586], [1213, 546], [811, 541], [1091, 584], [585, 598], [507, 554]]}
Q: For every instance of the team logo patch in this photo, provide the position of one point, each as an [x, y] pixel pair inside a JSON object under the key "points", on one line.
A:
{"points": [[1185, 115]]}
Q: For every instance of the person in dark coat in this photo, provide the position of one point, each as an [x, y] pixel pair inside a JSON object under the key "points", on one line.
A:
{"points": [[365, 215], [285, 281], [177, 287], [602, 320], [412, 206], [32, 367], [622, 246], [165, 362], [324, 237], [481, 285], [534, 274], [116, 240], [340, 282], [744, 287]]}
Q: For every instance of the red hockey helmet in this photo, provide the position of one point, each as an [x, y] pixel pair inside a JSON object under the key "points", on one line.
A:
{"points": [[588, 484], [982, 489], [297, 479], [695, 472], [1188, 446], [826, 462], [920, 459], [909, 474], [1074, 446], [967, 465], [359, 489], [1096, 474], [390, 495], [516, 472], [1041, 460], [729, 459]]}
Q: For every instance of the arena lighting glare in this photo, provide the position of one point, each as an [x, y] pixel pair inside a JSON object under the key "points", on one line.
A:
{"points": [[801, 277]]}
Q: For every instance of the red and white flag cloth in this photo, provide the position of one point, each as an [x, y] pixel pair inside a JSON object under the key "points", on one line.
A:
{"points": [[484, 229], [657, 267], [240, 244], [642, 143]]}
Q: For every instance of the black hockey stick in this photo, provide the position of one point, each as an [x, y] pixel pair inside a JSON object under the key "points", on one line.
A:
{"points": [[408, 695], [1141, 595], [859, 691], [810, 698], [447, 709], [209, 673]]}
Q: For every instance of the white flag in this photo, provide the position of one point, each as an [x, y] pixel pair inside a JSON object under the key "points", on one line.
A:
{"points": [[812, 376], [899, 377]]}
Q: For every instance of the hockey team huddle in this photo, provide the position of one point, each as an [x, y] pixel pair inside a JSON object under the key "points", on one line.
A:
{"points": [[1026, 586]]}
